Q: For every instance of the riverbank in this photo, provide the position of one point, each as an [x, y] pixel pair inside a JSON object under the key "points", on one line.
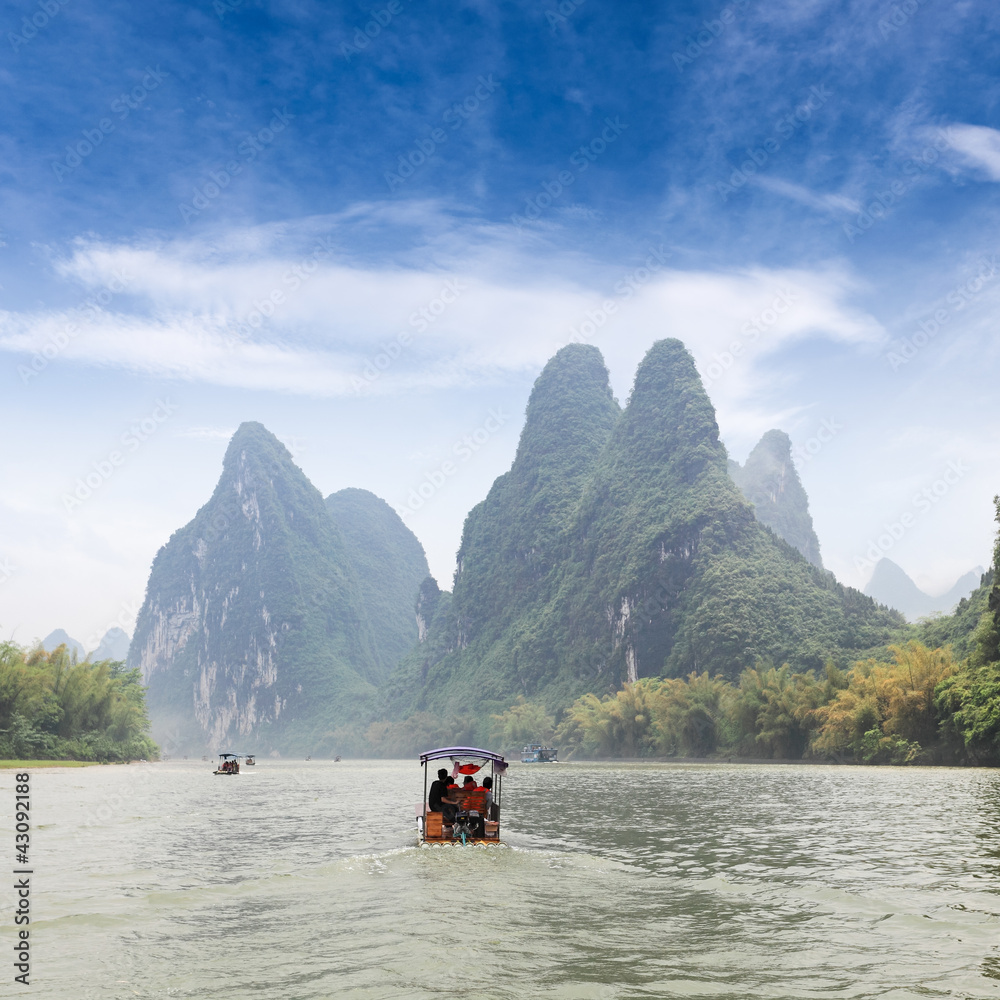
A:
{"points": [[12, 764]]}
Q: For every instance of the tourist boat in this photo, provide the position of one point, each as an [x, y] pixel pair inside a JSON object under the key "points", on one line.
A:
{"points": [[250, 761], [472, 808], [229, 763], [535, 753]]}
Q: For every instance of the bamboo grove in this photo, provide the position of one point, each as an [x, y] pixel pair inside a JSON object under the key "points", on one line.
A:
{"points": [[54, 708]]}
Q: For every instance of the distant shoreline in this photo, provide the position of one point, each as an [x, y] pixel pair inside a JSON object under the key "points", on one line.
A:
{"points": [[10, 765], [758, 760]]}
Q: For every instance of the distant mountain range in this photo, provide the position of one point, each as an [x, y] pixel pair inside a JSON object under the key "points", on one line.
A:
{"points": [[891, 586], [114, 645], [622, 543], [59, 637]]}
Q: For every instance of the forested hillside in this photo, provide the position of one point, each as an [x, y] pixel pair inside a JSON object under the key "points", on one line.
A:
{"points": [[618, 548]]}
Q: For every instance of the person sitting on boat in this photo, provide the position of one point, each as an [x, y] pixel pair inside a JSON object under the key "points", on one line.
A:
{"points": [[440, 798], [474, 800], [492, 809]]}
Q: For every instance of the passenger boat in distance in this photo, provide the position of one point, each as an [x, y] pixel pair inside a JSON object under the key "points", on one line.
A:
{"points": [[470, 818], [535, 753], [250, 762], [229, 763]]}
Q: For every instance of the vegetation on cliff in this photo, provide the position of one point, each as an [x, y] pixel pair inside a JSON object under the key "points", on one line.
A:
{"points": [[618, 548]]}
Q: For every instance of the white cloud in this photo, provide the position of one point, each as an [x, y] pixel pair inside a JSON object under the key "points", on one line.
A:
{"points": [[979, 145], [831, 203], [307, 321]]}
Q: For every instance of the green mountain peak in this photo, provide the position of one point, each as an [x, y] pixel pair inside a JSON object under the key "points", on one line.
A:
{"points": [[255, 629], [771, 483]]}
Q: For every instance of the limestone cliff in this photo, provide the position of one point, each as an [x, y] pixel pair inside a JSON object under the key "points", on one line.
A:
{"points": [[253, 633]]}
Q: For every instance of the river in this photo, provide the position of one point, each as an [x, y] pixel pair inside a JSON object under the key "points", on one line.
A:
{"points": [[301, 881]]}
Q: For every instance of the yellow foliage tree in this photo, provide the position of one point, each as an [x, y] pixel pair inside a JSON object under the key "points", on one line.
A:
{"points": [[886, 714]]}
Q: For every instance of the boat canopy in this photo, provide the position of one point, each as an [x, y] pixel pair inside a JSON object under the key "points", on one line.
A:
{"points": [[448, 752]]}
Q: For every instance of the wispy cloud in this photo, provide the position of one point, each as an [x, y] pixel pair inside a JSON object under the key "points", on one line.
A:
{"points": [[832, 203], [285, 317], [979, 146]]}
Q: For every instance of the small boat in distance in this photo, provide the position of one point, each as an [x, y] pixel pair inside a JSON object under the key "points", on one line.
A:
{"points": [[250, 761], [229, 763], [535, 753]]}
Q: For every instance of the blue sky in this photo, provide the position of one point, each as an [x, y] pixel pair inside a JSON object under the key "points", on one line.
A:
{"points": [[368, 225]]}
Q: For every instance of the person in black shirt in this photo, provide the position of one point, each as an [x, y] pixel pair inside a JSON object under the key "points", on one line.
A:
{"points": [[437, 801]]}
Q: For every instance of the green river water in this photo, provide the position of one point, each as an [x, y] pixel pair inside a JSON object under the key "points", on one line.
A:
{"points": [[301, 881]]}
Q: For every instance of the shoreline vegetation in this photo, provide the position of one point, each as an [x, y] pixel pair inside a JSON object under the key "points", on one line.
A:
{"points": [[54, 708], [10, 765]]}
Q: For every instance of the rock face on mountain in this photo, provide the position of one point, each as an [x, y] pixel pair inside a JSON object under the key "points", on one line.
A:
{"points": [[890, 585], [618, 547], [255, 632], [769, 481], [389, 564]]}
